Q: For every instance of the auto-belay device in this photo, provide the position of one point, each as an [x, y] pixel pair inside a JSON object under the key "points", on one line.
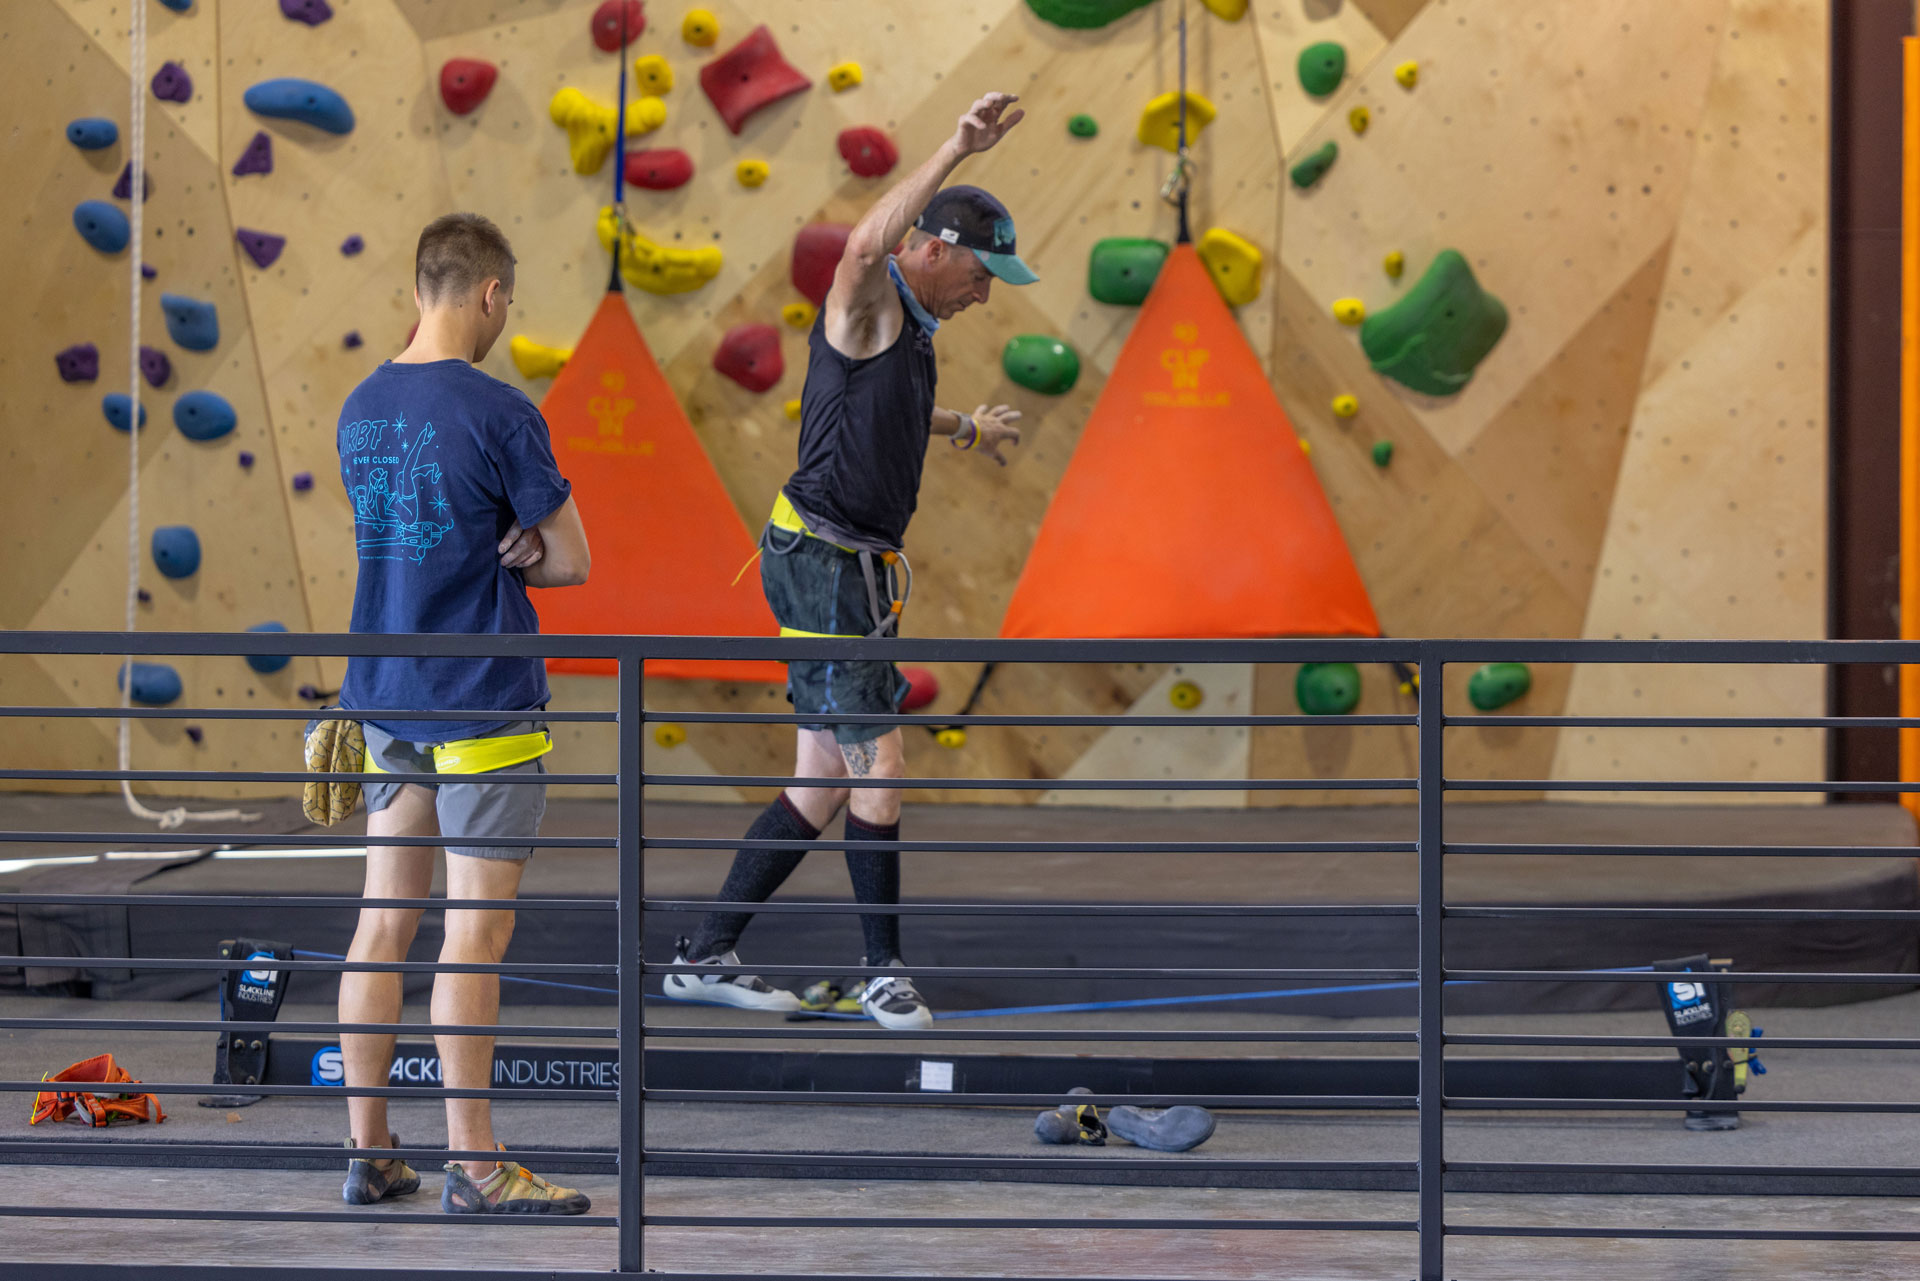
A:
{"points": [[249, 996], [1701, 1007]]}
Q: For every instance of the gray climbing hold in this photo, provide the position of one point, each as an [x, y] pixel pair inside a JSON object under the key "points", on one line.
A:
{"points": [[79, 363], [118, 407], [172, 83], [201, 415], [352, 245], [303, 100], [258, 157], [154, 366], [123, 189], [191, 323], [91, 133], [176, 550], [102, 225], [262, 246], [267, 664], [154, 684], [311, 12]]}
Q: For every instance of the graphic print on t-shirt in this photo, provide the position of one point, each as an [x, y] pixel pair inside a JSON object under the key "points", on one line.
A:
{"points": [[396, 515]]}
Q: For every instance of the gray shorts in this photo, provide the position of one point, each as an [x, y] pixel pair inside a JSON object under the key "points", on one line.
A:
{"points": [[464, 809]]}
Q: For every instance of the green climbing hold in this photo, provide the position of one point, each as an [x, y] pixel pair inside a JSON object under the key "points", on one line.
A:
{"points": [[1041, 364], [1497, 684], [1121, 270], [1084, 14], [1083, 126], [1315, 166], [1382, 452], [1327, 689], [1432, 339], [1322, 67]]}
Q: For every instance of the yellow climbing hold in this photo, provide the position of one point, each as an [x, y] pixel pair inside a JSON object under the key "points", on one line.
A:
{"points": [[1349, 311], [1160, 122], [1185, 695], [1231, 10], [653, 73], [700, 27], [1345, 406], [669, 735], [1394, 264], [656, 268], [590, 125], [1359, 118], [751, 173], [844, 76], [537, 360], [1234, 264], [793, 409], [951, 737], [799, 314], [1408, 74], [1306, 447]]}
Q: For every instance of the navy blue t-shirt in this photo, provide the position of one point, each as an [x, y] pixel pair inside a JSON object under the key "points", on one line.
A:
{"points": [[439, 460]]}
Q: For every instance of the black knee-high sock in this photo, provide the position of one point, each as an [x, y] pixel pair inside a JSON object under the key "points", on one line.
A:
{"points": [[755, 875], [876, 879]]}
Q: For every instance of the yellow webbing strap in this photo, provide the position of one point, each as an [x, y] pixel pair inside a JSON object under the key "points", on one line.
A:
{"points": [[483, 755], [795, 631], [785, 517]]}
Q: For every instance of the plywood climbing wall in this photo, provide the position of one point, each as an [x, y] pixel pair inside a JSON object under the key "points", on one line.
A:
{"points": [[1642, 185]]}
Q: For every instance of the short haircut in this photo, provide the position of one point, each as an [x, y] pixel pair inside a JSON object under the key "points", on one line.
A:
{"points": [[457, 253], [916, 238]]}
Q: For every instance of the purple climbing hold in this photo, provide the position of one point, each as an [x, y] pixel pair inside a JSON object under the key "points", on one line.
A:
{"points": [[146, 597], [246, 458], [352, 340], [172, 83], [352, 245], [124, 188], [147, 271], [195, 733], [257, 158], [154, 366], [79, 363], [261, 246], [311, 12], [302, 481], [309, 692]]}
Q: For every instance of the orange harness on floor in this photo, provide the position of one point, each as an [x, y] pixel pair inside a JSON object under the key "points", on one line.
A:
{"points": [[58, 1106]]}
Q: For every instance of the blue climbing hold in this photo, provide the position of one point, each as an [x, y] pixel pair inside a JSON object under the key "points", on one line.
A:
{"points": [[102, 225], [176, 550], [118, 407], [79, 363], [266, 664], [91, 133], [191, 323], [155, 684], [178, 6], [302, 100], [201, 415]]}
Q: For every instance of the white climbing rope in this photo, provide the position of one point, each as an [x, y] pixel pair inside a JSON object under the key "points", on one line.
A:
{"points": [[136, 196]]}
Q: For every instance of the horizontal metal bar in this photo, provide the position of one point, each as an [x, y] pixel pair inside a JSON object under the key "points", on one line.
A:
{"points": [[1628, 1233], [1036, 720], [1046, 847], [1751, 1169], [1670, 785], [338, 967], [1666, 652], [1686, 851], [1688, 722], [1768, 1043], [1770, 914], [1061, 972], [867, 1161], [1669, 976], [1046, 784], [560, 1031], [297, 714], [243, 839], [337, 1091], [1032, 909], [297, 778], [314, 901], [912, 1098], [830, 1030], [173, 1152], [1056, 1223], [68, 1210], [1471, 1104]]}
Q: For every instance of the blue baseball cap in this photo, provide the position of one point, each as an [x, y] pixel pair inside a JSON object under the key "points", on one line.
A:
{"points": [[969, 217]]}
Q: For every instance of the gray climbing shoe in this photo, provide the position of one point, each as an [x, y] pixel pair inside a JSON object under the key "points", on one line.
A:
{"points": [[1169, 1130]]}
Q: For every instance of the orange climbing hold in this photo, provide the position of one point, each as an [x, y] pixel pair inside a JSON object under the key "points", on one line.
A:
{"points": [[668, 542], [1187, 488]]}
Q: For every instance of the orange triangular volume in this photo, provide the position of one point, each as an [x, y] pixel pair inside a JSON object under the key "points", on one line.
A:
{"points": [[1188, 509], [667, 541]]}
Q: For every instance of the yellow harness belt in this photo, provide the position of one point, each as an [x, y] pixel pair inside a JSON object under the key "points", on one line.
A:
{"points": [[886, 622], [483, 755]]}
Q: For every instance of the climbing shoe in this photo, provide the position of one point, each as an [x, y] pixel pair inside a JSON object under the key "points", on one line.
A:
{"points": [[1163, 1130], [367, 1183], [892, 1001], [725, 985]]}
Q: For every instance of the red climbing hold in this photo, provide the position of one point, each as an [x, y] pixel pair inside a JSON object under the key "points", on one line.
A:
{"points": [[748, 77], [922, 688], [750, 355], [816, 253], [660, 169], [465, 83], [867, 151], [606, 24]]}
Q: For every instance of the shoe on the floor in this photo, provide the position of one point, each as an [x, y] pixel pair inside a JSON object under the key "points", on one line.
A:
{"points": [[367, 1183], [510, 1189], [1712, 1121], [726, 985], [892, 1001], [1163, 1130], [1071, 1123]]}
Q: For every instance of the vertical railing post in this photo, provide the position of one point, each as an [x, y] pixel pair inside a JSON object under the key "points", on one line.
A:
{"points": [[632, 1028], [1432, 1160]]}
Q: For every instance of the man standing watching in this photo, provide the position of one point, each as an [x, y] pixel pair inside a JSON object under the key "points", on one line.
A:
{"points": [[833, 544], [458, 508]]}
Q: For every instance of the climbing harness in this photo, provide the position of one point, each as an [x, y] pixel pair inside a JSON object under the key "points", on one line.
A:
{"points": [[58, 1105], [786, 521]]}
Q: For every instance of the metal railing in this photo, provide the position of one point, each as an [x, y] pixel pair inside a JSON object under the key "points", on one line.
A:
{"points": [[630, 1030]]}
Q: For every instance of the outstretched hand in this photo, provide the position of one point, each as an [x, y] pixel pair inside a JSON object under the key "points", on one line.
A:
{"points": [[996, 428], [986, 123]]}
